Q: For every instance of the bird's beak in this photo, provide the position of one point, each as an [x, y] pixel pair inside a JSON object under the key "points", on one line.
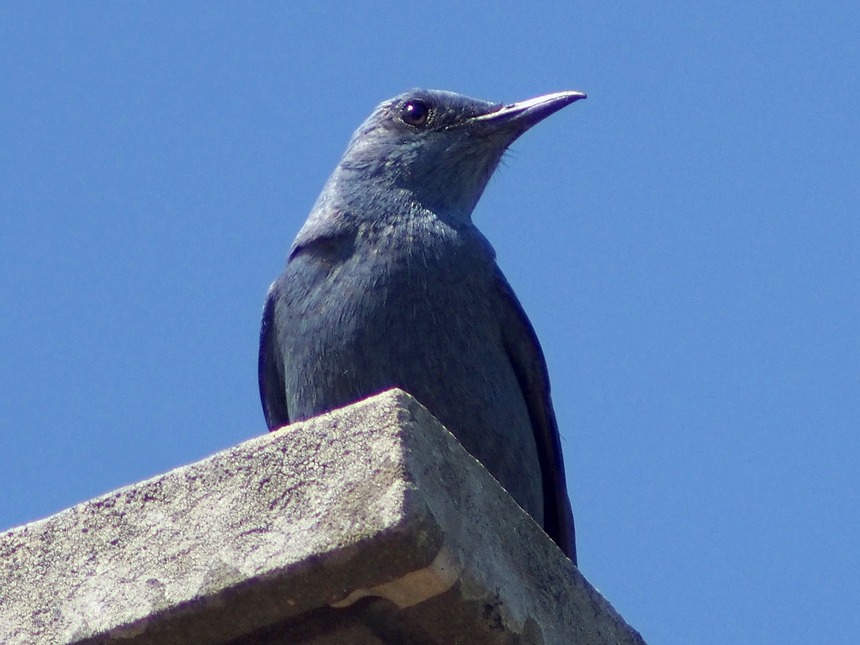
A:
{"points": [[525, 114]]}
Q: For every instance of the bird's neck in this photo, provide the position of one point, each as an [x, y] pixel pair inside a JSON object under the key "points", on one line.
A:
{"points": [[385, 215], [397, 190]]}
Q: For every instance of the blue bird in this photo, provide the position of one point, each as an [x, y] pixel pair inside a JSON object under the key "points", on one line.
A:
{"points": [[390, 284]]}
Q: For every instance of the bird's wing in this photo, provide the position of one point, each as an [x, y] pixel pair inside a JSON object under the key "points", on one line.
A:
{"points": [[270, 367], [526, 356]]}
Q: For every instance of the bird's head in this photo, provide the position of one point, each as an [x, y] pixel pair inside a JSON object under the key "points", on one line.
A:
{"points": [[438, 148]]}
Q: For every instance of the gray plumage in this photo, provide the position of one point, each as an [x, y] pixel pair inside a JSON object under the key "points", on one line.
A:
{"points": [[389, 283]]}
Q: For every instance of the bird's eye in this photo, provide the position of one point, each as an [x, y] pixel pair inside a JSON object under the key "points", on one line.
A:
{"points": [[415, 112]]}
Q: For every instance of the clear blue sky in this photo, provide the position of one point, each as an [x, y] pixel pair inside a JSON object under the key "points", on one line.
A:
{"points": [[686, 242]]}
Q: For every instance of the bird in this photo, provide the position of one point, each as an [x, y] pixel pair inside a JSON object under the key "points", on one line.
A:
{"points": [[389, 284]]}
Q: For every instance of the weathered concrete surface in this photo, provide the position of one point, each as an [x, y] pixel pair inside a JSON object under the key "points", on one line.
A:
{"points": [[367, 525]]}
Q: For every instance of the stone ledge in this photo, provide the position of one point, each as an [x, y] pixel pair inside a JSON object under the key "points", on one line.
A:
{"points": [[370, 524]]}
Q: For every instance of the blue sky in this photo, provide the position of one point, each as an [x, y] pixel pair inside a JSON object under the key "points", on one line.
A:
{"points": [[686, 243]]}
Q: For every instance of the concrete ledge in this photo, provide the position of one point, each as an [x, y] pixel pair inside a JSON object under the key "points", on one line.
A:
{"points": [[367, 525]]}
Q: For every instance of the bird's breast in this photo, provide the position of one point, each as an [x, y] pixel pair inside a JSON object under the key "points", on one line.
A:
{"points": [[355, 321]]}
